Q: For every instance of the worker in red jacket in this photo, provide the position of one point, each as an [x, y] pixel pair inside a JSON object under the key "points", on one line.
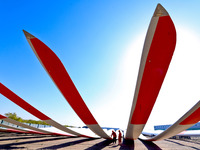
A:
{"points": [[119, 138], [114, 136]]}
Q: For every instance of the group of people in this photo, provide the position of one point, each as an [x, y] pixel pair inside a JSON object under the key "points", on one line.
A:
{"points": [[114, 137]]}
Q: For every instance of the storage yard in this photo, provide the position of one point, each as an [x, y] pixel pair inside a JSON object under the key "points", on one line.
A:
{"points": [[28, 141]]}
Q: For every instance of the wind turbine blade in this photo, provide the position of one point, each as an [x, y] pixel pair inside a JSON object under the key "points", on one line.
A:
{"points": [[23, 125], [17, 129], [156, 56], [62, 80], [32, 110], [186, 121], [10, 128], [38, 131]]}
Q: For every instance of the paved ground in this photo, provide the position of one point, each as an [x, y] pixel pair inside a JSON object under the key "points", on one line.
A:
{"points": [[22, 141]]}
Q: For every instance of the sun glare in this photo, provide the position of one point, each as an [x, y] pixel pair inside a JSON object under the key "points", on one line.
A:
{"points": [[178, 93]]}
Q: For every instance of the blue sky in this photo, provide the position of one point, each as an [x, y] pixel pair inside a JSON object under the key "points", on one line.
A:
{"points": [[100, 44]]}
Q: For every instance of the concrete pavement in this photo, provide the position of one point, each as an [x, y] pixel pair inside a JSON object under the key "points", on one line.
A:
{"points": [[31, 142]]}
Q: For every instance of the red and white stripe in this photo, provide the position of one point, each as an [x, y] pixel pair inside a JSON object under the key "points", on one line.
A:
{"points": [[186, 121], [62, 80], [19, 130], [10, 129], [32, 110], [157, 53], [14, 128], [23, 125], [32, 129]]}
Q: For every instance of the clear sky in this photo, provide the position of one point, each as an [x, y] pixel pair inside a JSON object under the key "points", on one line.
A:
{"points": [[100, 44]]}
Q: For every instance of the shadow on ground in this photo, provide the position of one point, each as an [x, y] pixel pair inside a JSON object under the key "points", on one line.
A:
{"points": [[100, 145], [12, 145], [178, 143], [150, 145], [12, 141], [21, 138], [127, 145], [63, 145]]}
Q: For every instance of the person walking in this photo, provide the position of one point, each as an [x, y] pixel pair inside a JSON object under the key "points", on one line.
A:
{"points": [[114, 136], [119, 138]]}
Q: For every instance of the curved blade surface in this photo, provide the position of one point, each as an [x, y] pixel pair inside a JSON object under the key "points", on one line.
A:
{"points": [[62, 80], [10, 128], [23, 125], [186, 121], [32, 110], [38, 131], [156, 56]]}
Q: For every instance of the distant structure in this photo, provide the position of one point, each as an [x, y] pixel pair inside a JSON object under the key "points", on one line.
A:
{"points": [[164, 127]]}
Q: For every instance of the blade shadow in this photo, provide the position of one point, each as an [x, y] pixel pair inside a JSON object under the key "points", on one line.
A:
{"points": [[127, 145], [150, 145], [100, 145], [11, 145], [67, 144], [182, 144], [21, 138]]}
